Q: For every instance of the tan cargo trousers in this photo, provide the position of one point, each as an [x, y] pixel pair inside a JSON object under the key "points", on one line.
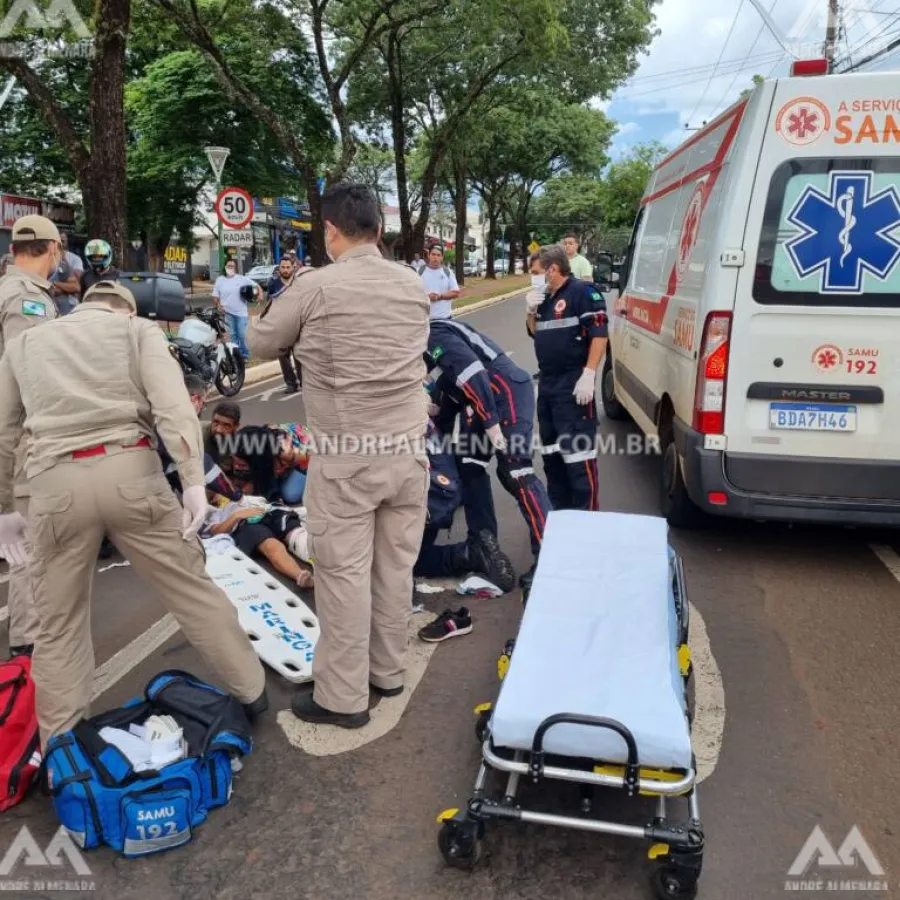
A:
{"points": [[23, 620], [125, 495], [365, 519]]}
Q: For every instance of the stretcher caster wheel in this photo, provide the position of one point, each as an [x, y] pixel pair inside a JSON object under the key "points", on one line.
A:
{"points": [[671, 884], [460, 843], [481, 725]]}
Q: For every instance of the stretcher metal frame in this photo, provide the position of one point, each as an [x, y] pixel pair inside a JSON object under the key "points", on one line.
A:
{"points": [[676, 845]]}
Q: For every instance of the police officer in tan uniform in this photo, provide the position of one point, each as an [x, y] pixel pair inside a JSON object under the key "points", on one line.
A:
{"points": [[359, 329], [89, 417], [26, 301]]}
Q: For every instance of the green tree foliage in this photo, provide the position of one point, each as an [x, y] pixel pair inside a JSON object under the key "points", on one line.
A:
{"points": [[594, 207], [434, 78]]}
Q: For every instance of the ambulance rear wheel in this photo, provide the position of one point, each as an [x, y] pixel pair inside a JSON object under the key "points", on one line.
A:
{"points": [[611, 407], [677, 507]]}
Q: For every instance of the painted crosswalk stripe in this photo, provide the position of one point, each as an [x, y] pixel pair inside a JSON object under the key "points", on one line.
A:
{"points": [[118, 666]]}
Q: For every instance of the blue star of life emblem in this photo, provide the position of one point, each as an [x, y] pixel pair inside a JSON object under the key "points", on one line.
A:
{"points": [[845, 232]]}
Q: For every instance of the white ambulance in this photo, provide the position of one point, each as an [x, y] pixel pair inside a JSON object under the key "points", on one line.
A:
{"points": [[758, 330]]}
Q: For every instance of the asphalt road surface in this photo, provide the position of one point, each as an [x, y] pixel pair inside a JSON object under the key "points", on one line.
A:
{"points": [[803, 671]]}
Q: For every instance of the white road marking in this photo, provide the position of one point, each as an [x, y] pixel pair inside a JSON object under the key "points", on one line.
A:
{"points": [[708, 729], [4, 577], [888, 557], [324, 740], [118, 666]]}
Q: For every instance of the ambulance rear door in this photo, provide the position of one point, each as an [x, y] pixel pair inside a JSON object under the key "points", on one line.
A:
{"points": [[814, 363]]}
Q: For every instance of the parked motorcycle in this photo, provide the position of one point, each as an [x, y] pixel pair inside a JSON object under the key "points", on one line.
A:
{"points": [[202, 348]]}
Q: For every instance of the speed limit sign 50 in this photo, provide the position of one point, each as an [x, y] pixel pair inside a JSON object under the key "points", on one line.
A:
{"points": [[234, 207]]}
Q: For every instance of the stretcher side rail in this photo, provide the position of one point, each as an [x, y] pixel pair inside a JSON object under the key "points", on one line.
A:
{"points": [[632, 768], [579, 776]]}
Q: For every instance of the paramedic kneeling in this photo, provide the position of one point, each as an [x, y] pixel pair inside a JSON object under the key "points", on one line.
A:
{"points": [[92, 470], [567, 320]]}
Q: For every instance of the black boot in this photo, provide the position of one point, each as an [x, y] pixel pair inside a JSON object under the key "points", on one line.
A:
{"points": [[525, 583], [257, 707], [22, 650], [486, 557]]}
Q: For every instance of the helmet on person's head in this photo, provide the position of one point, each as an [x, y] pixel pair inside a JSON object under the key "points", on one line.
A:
{"points": [[98, 254]]}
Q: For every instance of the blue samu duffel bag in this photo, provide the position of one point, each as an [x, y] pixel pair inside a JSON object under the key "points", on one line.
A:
{"points": [[100, 799]]}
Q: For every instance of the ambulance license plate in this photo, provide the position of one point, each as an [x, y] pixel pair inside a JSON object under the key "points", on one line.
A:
{"points": [[812, 417]]}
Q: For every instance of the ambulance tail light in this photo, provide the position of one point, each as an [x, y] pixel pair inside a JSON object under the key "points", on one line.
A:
{"points": [[712, 373], [805, 67]]}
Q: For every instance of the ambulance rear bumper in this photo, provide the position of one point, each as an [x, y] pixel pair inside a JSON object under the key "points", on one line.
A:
{"points": [[795, 489]]}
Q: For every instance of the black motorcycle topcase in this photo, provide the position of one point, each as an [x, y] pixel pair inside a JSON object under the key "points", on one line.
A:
{"points": [[158, 295]]}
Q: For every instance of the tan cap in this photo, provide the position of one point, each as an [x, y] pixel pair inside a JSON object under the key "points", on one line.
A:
{"points": [[34, 228], [110, 287]]}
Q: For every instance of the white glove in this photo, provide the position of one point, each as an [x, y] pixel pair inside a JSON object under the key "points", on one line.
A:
{"points": [[585, 387], [533, 300], [495, 436], [195, 509], [12, 538]]}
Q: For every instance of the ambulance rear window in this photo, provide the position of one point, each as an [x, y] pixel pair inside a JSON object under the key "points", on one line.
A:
{"points": [[831, 234]]}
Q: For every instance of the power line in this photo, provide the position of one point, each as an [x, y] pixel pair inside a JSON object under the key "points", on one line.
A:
{"points": [[721, 54], [680, 84], [874, 56], [727, 93], [698, 69]]}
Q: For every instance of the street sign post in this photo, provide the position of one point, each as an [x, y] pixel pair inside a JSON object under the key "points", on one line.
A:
{"points": [[234, 207], [217, 157]]}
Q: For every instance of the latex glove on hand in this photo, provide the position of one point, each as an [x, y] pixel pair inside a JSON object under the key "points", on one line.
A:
{"points": [[585, 386], [533, 301], [195, 509], [495, 436], [12, 538]]}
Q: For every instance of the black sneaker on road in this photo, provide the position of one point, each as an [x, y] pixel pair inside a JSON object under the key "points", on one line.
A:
{"points": [[447, 625], [486, 557]]}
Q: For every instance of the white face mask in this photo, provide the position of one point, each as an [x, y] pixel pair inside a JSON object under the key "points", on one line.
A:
{"points": [[229, 271], [539, 282]]}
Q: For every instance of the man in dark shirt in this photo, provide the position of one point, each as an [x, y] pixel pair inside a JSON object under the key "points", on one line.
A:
{"points": [[569, 327], [277, 286]]}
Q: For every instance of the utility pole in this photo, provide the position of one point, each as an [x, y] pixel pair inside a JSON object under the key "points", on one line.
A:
{"points": [[831, 32]]}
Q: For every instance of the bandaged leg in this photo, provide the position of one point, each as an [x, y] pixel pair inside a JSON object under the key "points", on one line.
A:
{"points": [[298, 544]]}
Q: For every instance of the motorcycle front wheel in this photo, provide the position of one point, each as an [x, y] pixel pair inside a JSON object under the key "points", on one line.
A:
{"points": [[230, 377]]}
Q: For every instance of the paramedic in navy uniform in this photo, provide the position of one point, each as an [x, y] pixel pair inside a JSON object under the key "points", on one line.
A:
{"points": [[473, 375], [567, 319]]}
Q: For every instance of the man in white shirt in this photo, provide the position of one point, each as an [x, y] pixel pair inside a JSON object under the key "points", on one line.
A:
{"points": [[440, 285], [227, 294], [580, 266]]}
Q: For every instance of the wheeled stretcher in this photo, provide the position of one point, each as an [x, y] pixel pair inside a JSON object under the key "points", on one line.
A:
{"points": [[594, 691]]}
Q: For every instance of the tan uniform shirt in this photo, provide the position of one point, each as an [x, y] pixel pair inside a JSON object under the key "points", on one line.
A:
{"points": [[25, 301], [359, 329], [93, 377]]}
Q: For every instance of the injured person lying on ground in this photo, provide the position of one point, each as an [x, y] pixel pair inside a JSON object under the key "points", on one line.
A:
{"points": [[275, 532]]}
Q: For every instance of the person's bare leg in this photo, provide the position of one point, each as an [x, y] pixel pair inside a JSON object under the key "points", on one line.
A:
{"points": [[283, 563]]}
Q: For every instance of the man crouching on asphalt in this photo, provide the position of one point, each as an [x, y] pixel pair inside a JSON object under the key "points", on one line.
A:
{"points": [[92, 470]]}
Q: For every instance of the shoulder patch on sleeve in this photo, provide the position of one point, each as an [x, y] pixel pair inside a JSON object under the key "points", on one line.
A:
{"points": [[35, 308], [437, 353]]}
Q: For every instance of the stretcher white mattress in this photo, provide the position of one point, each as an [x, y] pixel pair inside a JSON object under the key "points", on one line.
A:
{"points": [[598, 638]]}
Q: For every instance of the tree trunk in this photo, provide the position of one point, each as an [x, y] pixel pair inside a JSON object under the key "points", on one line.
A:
{"points": [[398, 136], [317, 233], [462, 206], [491, 240], [103, 179], [524, 208], [513, 250]]}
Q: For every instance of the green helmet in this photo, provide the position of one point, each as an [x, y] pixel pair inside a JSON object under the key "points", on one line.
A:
{"points": [[98, 254]]}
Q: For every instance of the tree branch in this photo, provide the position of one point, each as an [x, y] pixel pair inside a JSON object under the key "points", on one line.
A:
{"points": [[78, 154]]}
